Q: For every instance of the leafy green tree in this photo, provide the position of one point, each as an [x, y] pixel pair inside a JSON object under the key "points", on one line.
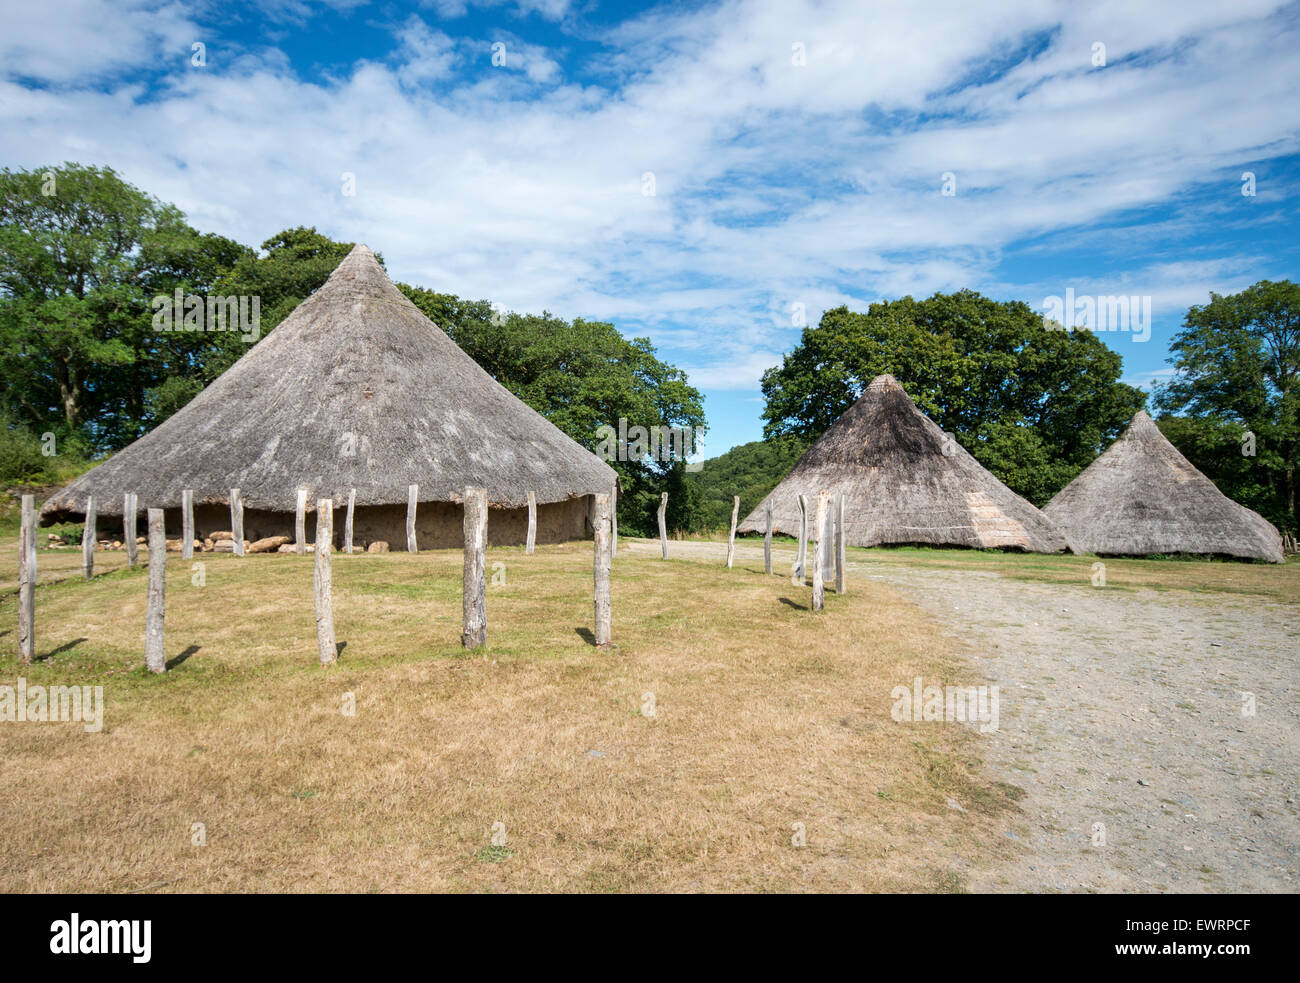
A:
{"points": [[1238, 377], [1033, 405], [748, 470], [582, 376], [82, 253]]}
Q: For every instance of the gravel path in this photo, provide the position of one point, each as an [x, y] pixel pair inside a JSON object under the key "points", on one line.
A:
{"points": [[1125, 709]]}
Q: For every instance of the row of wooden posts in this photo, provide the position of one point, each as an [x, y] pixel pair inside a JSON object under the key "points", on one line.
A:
{"points": [[474, 584], [828, 543]]}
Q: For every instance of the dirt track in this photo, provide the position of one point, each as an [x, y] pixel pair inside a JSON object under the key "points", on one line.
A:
{"points": [[1124, 709]]}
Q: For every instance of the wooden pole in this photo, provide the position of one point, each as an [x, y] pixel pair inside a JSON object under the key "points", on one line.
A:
{"points": [[767, 540], [819, 554], [88, 540], [601, 548], [300, 523], [841, 557], [322, 582], [347, 523], [155, 657], [532, 523], [802, 553], [613, 522], [663, 523], [473, 632], [237, 520], [412, 496], [187, 524], [128, 530], [27, 582], [731, 539], [827, 530]]}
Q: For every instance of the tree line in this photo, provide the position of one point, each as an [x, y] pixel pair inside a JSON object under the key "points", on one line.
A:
{"points": [[84, 367]]}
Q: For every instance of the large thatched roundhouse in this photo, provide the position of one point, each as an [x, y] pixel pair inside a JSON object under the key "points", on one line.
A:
{"points": [[1142, 497], [905, 481], [355, 389]]}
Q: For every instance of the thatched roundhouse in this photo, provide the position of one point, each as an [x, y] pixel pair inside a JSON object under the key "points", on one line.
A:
{"points": [[1142, 497], [355, 389], [904, 481]]}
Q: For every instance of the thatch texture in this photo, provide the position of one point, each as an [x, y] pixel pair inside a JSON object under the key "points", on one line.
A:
{"points": [[1142, 497], [905, 481], [355, 389]]}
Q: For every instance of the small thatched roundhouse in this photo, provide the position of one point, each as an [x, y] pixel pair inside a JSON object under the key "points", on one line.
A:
{"points": [[905, 481], [355, 389], [1142, 497]]}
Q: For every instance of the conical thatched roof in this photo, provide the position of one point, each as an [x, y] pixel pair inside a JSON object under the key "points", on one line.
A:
{"points": [[1143, 497], [355, 389], [905, 481]]}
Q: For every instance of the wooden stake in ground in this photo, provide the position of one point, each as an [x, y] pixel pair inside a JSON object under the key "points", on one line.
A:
{"points": [[347, 523], [532, 523], [322, 582], [474, 585], [412, 496], [601, 548], [155, 657], [663, 523], [237, 521], [828, 551], [801, 554], [613, 521], [27, 582], [187, 524], [88, 540], [841, 560], [731, 539], [767, 540], [819, 553], [128, 530], [300, 523]]}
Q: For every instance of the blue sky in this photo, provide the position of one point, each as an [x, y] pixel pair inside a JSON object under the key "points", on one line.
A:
{"points": [[796, 151]]}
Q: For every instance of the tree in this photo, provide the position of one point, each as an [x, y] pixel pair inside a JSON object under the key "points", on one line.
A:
{"points": [[82, 253], [582, 376], [1032, 404], [1238, 376], [748, 470]]}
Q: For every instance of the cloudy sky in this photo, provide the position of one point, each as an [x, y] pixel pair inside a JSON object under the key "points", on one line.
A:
{"points": [[702, 173]]}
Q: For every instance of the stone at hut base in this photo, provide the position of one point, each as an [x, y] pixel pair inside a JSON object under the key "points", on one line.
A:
{"points": [[268, 545], [378, 546]]}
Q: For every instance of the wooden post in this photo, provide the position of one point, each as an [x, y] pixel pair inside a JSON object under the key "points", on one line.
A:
{"points": [[237, 520], [663, 523], [27, 582], [802, 553], [731, 540], [532, 523], [613, 522], [841, 560], [474, 584], [300, 523], [819, 554], [128, 530], [767, 540], [347, 523], [602, 546], [155, 657], [88, 540], [322, 582], [412, 496], [827, 530], [187, 524]]}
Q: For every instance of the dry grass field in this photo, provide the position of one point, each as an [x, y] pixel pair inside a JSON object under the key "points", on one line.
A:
{"points": [[764, 716]]}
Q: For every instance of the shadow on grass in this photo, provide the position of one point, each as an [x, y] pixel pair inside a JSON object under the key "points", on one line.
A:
{"points": [[587, 635], [173, 663], [795, 604], [61, 649]]}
